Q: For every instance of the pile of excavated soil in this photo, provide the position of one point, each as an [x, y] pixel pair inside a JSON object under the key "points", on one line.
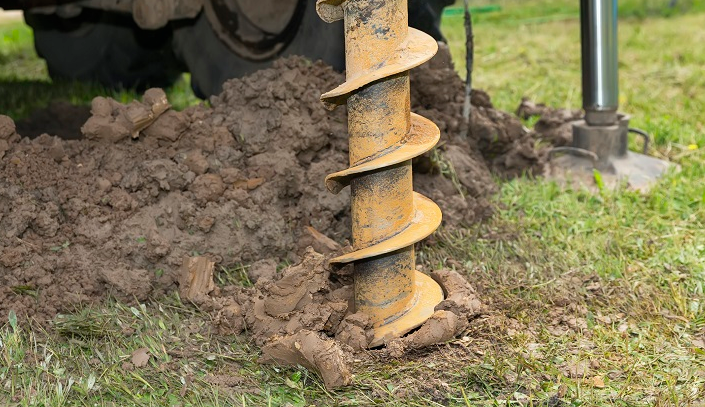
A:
{"points": [[116, 212], [237, 182]]}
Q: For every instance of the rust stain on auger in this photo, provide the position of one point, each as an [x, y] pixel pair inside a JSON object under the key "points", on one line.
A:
{"points": [[388, 217]]}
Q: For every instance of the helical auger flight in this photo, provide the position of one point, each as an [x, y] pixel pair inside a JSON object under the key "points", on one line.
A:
{"points": [[388, 217]]}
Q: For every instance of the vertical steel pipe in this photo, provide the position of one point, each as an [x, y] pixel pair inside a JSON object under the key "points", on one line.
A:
{"points": [[604, 132], [388, 217], [598, 37]]}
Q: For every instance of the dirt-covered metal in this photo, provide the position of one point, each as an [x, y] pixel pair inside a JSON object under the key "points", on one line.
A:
{"points": [[388, 217]]}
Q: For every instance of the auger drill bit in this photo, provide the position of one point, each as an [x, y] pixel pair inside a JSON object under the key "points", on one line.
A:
{"points": [[388, 217]]}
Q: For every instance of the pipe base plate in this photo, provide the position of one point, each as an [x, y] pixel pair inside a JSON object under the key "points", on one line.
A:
{"points": [[639, 171], [428, 295]]}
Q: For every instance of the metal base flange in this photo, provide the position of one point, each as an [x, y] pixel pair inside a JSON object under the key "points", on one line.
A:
{"points": [[428, 295], [604, 148], [639, 171]]}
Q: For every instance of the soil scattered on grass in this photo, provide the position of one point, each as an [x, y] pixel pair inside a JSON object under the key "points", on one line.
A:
{"points": [[239, 182], [304, 316]]}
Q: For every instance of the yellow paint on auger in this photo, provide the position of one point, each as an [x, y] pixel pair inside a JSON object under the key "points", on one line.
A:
{"points": [[388, 217]]}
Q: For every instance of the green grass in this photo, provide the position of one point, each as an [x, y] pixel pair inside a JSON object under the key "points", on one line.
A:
{"points": [[610, 282], [25, 84]]}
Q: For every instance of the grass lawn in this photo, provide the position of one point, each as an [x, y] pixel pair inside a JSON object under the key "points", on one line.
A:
{"points": [[594, 299]]}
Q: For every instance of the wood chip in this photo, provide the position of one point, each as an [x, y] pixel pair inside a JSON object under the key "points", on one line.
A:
{"points": [[142, 115], [324, 244]]}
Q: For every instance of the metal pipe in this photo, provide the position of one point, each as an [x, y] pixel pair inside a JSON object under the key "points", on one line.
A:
{"points": [[604, 132], [388, 217], [598, 35]]}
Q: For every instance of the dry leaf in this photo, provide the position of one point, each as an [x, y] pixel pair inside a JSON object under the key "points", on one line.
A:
{"points": [[593, 286], [140, 357], [562, 391], [598, 382]]}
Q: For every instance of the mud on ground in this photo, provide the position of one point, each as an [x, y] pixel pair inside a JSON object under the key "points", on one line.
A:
{"points": [[238, 182]]}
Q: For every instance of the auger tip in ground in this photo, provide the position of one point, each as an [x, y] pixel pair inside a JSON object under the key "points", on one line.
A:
{"points": [[388, 217]]}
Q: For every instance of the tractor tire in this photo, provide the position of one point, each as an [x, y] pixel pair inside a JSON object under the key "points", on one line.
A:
{"points": [[105, 48], [211, 62], [425, 15]]}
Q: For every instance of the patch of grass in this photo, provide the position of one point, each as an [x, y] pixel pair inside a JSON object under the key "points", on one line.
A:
{"points": [[236, 275], [85, 359], [633, 264], [611, 281], [519, 12], [17, 56]]}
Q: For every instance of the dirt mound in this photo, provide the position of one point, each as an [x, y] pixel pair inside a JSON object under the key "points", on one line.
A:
{"points": [[238, 182], [117, 212], [554, 126]]}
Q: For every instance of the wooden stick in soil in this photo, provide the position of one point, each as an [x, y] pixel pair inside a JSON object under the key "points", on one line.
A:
{"points": [[469, 58]]}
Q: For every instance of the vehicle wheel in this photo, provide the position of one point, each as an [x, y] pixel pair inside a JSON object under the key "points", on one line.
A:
{"points": [[107, 48], [425, 15], [232, 38]]}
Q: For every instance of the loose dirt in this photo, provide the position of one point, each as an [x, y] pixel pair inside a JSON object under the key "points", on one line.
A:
{"points": [[238, 182], [305, 316], [553, 126]]}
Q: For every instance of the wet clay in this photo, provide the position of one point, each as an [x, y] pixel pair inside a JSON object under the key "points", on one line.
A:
{"points": [[314, 351], [305, 316]]}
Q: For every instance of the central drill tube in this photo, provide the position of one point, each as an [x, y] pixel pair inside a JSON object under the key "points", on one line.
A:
{"points": [[598, 37], [382, 201]]}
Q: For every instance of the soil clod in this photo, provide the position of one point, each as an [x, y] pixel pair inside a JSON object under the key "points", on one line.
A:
{"points": [[313, 351], [196, 278], [554, 125]]}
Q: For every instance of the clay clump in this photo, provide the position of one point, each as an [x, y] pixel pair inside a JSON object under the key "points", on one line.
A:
{"points": [[305, 316]]}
